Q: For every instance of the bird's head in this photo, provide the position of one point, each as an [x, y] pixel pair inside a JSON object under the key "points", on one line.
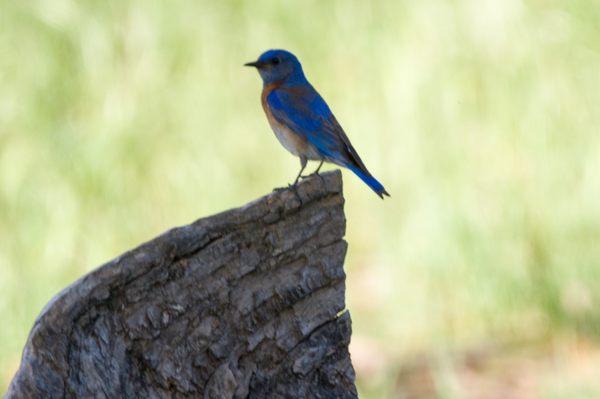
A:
{"points": [[278, 65]]}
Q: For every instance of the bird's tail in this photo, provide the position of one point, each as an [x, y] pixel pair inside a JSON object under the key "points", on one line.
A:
{"points": [[369, 180]]}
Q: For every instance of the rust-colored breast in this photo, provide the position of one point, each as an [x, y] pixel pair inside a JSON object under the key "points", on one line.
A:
{"points": [[267, 89], [294, 143]]}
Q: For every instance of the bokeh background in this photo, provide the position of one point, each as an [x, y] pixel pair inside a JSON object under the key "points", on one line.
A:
{"points": [[479, 278]]}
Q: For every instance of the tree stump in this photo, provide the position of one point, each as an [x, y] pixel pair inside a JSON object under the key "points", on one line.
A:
{"points": [[248, 303]]}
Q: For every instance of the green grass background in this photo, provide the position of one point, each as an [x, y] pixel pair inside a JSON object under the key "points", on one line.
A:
{"points": [[121, 119]]}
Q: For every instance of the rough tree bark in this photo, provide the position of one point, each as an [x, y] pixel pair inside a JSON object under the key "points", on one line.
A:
{"points": [[248, 303]]}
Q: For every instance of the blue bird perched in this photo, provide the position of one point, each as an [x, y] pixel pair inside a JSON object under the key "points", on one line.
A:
{"points": [[301, 119]]}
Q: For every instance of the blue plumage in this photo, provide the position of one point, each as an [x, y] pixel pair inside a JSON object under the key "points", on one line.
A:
{"points": [[302, 120]]}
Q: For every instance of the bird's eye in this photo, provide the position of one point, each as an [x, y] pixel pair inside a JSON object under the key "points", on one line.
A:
{"points": [[276, 61]]}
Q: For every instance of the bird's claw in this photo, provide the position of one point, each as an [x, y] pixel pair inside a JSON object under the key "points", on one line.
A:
{"points": [[314, 174], [290, 186], [294, 188], [320, 177]]}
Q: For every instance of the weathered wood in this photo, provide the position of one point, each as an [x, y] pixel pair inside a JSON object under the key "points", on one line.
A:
{"points": [[248, 303]]}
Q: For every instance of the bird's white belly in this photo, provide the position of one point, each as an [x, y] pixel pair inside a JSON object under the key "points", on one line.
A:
{"points": [[295, 144]]}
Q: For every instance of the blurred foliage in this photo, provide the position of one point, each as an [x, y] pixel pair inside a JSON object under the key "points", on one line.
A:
{"points": [[120, 119]]}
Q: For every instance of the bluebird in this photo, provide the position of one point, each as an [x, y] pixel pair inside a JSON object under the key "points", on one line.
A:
{"points": [[302, 120]]}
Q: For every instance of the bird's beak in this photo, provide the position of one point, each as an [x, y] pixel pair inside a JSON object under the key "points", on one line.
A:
{"points": [[256, 64]]}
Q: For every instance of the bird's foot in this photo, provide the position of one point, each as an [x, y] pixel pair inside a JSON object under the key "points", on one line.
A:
{"points": [[320, 177], [314, 174], [290, 186], [294, 188]]}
